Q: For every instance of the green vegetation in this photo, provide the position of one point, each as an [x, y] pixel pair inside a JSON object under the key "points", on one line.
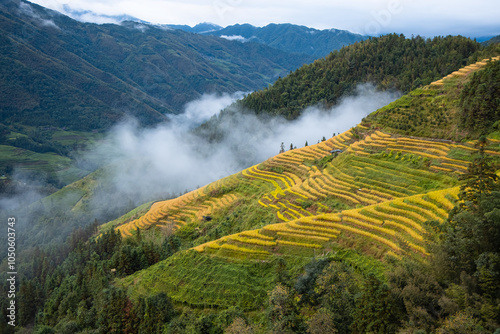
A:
{"points": [[390, 62], [395, 234], [479, 100], [83, 76], [451, 108]]}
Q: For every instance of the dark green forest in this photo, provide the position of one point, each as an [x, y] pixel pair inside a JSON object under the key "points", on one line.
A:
{"points": [[390, 62], [480, 100], [86, 76]]}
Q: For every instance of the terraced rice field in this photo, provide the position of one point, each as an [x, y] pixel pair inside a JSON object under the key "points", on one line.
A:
{"points": [[397, 226], [192, 206], [464, 71], [287, 181]]}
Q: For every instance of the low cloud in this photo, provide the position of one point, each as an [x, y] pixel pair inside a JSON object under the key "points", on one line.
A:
{"points": [[167, 160], [234, 38], [198, 111], [23, 188], [26, 9], [157, 163]]}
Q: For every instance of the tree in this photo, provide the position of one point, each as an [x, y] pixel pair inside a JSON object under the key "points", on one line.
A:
{"points": [[416, 290], [337, 288], [468, 254], [239, 326], [282, 147], [480, 179], [321, 323], [462, 322], [283, 312], [282, 275], [479, 100], [376, 310], [156, 313]]}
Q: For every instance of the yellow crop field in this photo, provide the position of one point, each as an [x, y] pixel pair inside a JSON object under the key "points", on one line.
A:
{"points": [[376, 210], [256, 234], [370, 235], [361, 223], [382, 135], [359, 215], [253, 241], [301, 236], [405, 228], [431, 208], [298, 244], [235, 248], [314, 226]]}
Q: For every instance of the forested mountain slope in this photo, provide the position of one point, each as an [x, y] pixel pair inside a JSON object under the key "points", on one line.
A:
{"points": [[59, 72], [390, 62], [291, 38]]}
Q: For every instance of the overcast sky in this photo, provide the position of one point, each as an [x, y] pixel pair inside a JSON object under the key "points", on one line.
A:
{"points": [[371, 17]]}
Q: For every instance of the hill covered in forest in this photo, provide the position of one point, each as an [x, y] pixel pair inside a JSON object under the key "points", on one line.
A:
{"points": [[390, 62], [388, 227], [63, 73]]}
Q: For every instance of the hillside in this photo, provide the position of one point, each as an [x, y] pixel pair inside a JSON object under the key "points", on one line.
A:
{"points": [[363, 232], [64, 73], [291, 38], [444, 111], [390, 62], [375, 197], [493, 40], [65, 82]]}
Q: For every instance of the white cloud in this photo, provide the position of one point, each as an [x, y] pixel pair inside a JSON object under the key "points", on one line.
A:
{"points": [[426, 17], [26, 9], [198, 111], [234, 38], [169, 159]]}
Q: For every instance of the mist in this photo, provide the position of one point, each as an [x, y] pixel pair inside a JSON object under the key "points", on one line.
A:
{"points": [[150, 164], [170, 159]]}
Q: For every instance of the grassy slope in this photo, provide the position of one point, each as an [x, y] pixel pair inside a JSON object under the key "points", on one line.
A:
{"points": [[374, 198], [431, 111], [62, 167]]}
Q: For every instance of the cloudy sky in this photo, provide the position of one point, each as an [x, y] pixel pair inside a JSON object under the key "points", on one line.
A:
{"points": [[418, 17]]}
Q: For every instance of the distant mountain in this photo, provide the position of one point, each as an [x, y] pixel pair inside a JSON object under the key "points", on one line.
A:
{"points": [[89, 16], [201, 28], [493, 40], [292, 38], [56, 71]]}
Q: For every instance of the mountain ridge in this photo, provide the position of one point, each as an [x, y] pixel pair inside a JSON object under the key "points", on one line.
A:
{"points": [[293, 38], [121, 67]]}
